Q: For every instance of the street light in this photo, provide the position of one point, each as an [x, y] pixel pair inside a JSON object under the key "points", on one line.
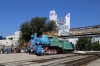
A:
{"points": [[12, 45], [32, 29], [3, 48]]}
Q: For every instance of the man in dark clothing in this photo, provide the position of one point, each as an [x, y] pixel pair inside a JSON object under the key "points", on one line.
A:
{"points": [[2, 51], [29, 51]]}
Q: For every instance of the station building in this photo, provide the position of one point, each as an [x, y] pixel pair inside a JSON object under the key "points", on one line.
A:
{"points": [[94, 39], [63, 30], [63, 25], [11, 39], [1, 37]]}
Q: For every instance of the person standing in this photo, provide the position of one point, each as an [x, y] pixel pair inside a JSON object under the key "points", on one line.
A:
{"points": [[29, 50]]}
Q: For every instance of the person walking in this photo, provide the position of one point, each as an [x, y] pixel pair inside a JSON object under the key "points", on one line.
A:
{"points": [[29, 50]]}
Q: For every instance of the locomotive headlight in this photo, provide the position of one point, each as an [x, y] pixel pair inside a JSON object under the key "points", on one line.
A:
{"points": [[37, 42]]}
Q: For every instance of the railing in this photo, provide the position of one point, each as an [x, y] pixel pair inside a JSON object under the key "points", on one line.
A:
{"points": [[51, 34], [93, 30], [90, 30]]}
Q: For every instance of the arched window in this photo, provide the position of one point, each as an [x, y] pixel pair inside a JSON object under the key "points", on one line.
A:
{"points": [[65, 26], [6, 42], [51, 14]]}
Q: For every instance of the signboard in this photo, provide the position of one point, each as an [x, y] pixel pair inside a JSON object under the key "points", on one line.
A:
{"points": [[61, 20], [63, 33]]}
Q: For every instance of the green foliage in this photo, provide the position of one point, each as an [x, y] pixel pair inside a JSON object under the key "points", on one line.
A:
{"points": [[83, 43], [21, 40], [51, 26], [25, 31], [86, 44], [38, 25], [95, 46]]}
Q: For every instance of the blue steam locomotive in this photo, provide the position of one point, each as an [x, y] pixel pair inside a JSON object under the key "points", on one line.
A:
{"points": [[44, 45]]}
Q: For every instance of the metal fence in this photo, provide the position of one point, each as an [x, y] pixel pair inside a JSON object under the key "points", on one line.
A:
{"points": [[10, 46], [9, 49]]}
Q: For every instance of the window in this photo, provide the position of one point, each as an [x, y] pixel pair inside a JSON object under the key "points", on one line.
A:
{"points": [[55, 13], [65, 27], [67, 15], [6, 42], [14, 37], [93, 39], [51, 14], [59, 27]]}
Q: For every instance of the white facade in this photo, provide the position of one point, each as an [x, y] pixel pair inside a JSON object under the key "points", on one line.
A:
{"points": [[12, 39], [62, 23], [94, 39], [73, 40], [8, 42]]}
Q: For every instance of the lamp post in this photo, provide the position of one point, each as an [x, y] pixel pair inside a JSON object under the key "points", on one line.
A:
{"points": [[32, 29], [12, 45], [3, 48]]}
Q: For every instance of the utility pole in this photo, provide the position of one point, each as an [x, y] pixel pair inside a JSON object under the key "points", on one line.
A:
{"points": [[32, 28], [32, 31]]}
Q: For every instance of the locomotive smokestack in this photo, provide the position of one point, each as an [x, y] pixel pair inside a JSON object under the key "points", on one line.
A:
{"points": [[35, 35]]}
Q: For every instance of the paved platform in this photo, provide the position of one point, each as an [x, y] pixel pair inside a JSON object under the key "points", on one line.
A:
{"points": [[4, 58], [84, 52], [95, 63]]}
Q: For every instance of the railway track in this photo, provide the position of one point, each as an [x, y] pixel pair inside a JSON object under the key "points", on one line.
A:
{"points": [[40, 60], [76, 62], [52, 59], [72, 60], [80, 62]]}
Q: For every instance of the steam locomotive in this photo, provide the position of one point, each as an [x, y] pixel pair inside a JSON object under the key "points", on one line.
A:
{"points": [[46, 46]]}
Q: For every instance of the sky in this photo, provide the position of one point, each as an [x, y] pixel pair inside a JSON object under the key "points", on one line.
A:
{"points": [[14, 12]]}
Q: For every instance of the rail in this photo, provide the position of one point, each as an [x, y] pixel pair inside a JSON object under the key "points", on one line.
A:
{"points": [[39, 60], [80, 62], [76, 62]]}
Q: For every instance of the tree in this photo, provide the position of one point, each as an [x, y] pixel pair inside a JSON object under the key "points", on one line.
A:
{"points": [[25, 31], [21, 40], [38, 25], [95, 46], [83, 43], [51, 26]]}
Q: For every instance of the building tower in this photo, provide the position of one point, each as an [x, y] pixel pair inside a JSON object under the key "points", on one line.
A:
{"points": [[67, 17], [53, 16], [62, 23]]}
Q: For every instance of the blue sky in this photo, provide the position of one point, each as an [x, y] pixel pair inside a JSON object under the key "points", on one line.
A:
{"points": [[14, 12]]}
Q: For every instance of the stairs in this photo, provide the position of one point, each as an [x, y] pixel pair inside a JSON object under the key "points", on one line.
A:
{"points": [[51, 34]]}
